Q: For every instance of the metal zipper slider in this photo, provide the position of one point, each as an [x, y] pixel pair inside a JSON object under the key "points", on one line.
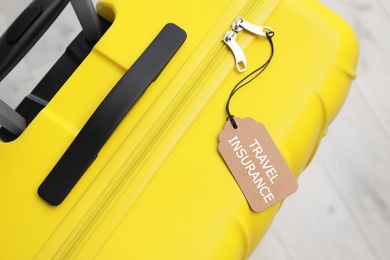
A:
{"points": [[241, 24], [239, 56]]}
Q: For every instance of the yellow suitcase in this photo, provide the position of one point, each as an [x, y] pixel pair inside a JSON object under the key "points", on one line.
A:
{"points": [[159, 188]]}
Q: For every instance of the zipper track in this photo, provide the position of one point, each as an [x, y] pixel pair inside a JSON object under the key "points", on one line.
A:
{"points": [[147, 145]]}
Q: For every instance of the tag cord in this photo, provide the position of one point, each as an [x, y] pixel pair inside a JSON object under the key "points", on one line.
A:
{"points": [[248, 79]]}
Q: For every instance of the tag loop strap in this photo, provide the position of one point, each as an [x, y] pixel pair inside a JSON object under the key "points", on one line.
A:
{"points": [[249, 78]]}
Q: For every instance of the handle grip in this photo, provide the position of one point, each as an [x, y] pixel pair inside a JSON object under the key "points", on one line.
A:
{"points": [[85, 148]]}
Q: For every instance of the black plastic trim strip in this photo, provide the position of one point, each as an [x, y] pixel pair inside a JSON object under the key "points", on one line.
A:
{"points": [[87, 144]]}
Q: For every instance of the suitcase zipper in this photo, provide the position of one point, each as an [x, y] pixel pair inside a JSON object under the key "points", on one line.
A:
{"points": [[230, 39], [98, 210]]}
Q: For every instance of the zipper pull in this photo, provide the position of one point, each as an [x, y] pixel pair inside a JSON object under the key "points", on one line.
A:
{"points": [[241, 24], [230, 39]]}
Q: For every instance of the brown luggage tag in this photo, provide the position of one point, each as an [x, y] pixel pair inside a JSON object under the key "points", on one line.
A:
{"points": [[252, 156], [256, 163]]}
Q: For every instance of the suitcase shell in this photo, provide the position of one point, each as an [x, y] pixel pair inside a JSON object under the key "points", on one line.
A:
{"points": [[159, 188]]}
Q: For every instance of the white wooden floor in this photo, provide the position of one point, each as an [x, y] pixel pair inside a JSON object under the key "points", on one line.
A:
{"points": [[342, 208]]}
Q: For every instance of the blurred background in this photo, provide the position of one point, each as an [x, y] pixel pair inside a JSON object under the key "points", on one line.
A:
{"points": [[341, 210]]}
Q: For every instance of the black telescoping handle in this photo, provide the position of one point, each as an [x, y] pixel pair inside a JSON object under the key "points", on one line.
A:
{"points": [[26, 30]]}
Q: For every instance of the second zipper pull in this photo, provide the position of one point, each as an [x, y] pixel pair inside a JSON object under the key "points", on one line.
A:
{"points": [[241, 24]]}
